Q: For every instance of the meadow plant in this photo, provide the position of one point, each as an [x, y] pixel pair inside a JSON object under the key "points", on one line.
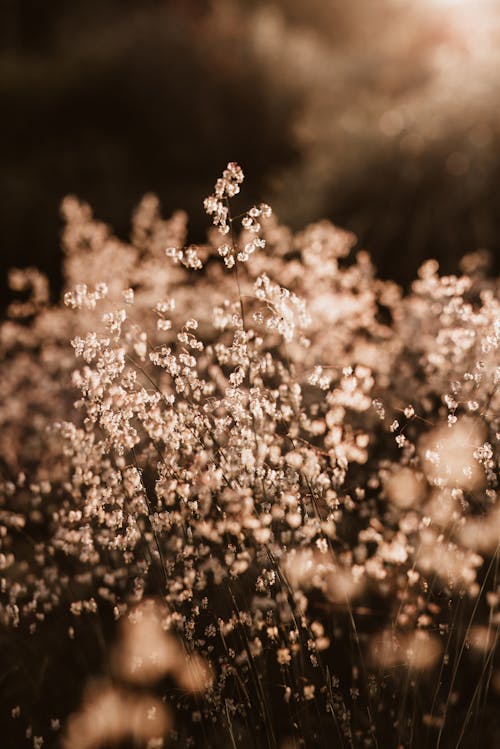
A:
{"points": [[274, 472]]}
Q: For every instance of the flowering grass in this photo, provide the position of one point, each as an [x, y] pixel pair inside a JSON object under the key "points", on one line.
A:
{"points": [[259, 509]]}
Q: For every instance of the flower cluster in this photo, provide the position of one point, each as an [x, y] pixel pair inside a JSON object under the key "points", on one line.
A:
{"points": [[281, 482], [226, 187]]}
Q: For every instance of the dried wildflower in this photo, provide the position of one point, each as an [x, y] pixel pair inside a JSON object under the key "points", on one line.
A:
{"points": [[283, 656], [226, 187]]}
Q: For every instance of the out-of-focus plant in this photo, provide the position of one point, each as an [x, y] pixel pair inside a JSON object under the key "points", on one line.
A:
{"points": [[279, 476], [381, 116]]}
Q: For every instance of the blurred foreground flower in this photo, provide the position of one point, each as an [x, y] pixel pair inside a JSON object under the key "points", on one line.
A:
{"points": [[109, 715]]}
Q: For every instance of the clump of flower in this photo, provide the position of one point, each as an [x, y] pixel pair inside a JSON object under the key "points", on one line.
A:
{"points": [[260, 470]]}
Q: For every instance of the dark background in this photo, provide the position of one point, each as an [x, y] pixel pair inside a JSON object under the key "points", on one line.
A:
{"points": [[334, 110]]}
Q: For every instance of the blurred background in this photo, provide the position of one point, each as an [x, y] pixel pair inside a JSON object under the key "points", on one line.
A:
{"points": [[383, 117]]}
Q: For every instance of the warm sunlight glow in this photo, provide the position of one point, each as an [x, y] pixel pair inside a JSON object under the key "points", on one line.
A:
{"points": [[249, 451]]}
